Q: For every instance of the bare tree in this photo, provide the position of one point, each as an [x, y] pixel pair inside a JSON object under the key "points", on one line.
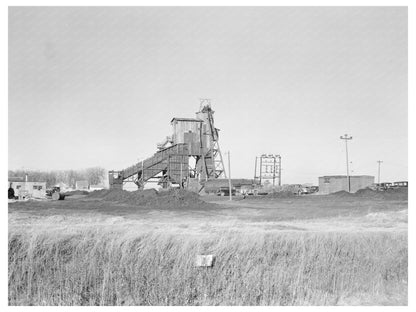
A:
{"points": [[95, 175]]}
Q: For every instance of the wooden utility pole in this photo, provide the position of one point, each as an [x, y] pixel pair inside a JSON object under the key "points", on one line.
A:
{"points": [[181, 179], [379, 164], [346, 138], [280, 170], [229, 177], [274, 170]]}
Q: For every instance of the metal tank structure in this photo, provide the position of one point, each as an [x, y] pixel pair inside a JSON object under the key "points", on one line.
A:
{"points": [[189, 157]]}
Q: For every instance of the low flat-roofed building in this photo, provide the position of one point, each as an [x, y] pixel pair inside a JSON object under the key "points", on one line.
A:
{"points": [[23, 189], [336, 183]]}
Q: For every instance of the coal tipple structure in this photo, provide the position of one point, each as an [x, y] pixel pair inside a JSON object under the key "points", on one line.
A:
{"points": [[188, 158]]}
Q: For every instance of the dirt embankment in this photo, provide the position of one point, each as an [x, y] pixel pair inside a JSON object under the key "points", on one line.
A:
{"points": [[390, 194], [283, 194], [77, 192], [171, 198], [367, 193]]}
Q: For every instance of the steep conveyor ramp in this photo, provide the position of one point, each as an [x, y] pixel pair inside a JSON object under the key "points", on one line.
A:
{"points": [[157, 163]]}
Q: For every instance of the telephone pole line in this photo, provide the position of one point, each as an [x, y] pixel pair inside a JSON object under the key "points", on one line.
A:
{"points": [[379, 164], [347, 138]]}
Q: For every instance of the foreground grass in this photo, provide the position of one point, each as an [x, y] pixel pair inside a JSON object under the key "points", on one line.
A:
{"points": [[103, 267]]}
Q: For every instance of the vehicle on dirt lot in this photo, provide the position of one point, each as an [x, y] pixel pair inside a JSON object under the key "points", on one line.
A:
{"points": [[225, 191], [262, 193], [255, 192], [401, 184], [383, 186], [54, 193], [309, 190], [313, 189]]}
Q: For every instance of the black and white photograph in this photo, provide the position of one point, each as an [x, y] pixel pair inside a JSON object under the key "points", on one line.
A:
{"points": [[207, 156]]}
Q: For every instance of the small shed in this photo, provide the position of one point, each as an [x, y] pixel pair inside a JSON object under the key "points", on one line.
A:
{"points": [[82, 185]]}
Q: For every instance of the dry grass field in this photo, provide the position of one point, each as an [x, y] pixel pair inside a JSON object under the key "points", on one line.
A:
{"points": [[308, 250]]}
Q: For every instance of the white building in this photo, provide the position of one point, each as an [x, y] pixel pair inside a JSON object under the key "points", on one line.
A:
{"points": [[82, 185], [24, 190], [96, 187]]}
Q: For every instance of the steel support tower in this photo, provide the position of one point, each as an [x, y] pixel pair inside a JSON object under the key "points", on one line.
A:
{"points": [[268, 167]]}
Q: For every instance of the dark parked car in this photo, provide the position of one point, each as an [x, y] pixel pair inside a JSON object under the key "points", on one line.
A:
{"points": [[225, 191]]}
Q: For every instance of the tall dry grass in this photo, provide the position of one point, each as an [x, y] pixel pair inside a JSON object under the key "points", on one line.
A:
{"points": [[96, 267]]}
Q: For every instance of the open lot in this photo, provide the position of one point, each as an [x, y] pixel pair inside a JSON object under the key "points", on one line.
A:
{"points": [[292, 251], [305, 213]]}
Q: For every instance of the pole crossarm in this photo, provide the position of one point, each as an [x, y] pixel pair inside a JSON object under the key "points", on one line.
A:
{"points": [[345, 137]]}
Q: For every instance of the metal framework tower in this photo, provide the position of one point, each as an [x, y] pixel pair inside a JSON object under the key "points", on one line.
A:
{"points": [[268, 167], [212, 157]]}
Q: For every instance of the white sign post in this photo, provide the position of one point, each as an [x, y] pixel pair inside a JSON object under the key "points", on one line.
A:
{"points": [[204, 260]]}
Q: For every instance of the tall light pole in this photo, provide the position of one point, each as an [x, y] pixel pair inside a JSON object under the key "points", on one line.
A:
{"points": [[379, 164], [347, 138], [229, 177]]}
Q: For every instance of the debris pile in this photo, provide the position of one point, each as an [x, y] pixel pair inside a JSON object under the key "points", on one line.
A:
{"points": [[400, 193], [170, 198], [341, 194], [76, 192], [281, 194], [367, 193]]}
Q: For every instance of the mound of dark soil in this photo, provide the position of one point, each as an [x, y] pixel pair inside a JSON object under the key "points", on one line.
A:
{"points": [[400, 193], [283, 194], [98, 194], [367, 193], [341, 194], [168, 199], [77, 192]]}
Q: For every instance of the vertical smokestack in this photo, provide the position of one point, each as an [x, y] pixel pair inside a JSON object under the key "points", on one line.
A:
{"points": [[26, 177]]}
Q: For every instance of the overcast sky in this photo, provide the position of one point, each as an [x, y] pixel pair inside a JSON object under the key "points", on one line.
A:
{"points": [[99, 86]]}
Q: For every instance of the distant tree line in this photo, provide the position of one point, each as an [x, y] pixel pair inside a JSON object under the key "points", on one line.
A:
{"points": [[94, 175]]}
